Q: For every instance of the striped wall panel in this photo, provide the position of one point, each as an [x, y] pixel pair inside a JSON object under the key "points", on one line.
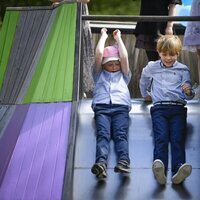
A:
{"points": [[41, 63], [28, 35], [38, 77], [53, 80], [11, 121], [36, 169], [5, 113], [6, 40]]}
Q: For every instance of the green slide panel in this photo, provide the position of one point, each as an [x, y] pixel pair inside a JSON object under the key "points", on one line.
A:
{"points": [[6, 40], [53, 78]]}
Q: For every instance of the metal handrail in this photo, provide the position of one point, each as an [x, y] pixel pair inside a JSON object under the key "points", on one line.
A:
{"points": [[146, 18]]}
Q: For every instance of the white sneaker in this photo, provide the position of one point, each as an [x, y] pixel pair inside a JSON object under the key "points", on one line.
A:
{"points": [[183, 172], [159, 171]]}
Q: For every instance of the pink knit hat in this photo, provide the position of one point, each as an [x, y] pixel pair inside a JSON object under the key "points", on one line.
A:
{"points": [[110, 53]]}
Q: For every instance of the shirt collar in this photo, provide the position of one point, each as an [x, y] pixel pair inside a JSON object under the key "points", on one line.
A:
{"points": [[162, 65]]}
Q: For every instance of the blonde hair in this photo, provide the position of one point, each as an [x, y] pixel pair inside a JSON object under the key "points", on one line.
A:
{"points": [[169, 44]]}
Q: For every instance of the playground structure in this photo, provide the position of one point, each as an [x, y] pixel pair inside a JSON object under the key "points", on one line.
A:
{"points": [[47, 134]]}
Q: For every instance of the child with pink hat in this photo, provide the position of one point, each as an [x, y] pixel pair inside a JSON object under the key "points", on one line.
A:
{"points": [[111, 103]]}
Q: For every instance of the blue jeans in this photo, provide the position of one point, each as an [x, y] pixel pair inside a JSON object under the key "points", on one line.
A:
{"points": [[112, 122], [169, 125]]}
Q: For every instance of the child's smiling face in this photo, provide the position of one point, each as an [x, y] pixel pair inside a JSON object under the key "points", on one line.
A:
{"points": [[168, 59]]}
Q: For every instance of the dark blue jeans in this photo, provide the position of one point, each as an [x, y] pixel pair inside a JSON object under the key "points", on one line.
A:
{"points": [[169, 126], [112, 122]]}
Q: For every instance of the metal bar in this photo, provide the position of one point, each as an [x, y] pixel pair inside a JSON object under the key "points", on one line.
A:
{"points": [[146, 18], [129, 29], [29, 8]]}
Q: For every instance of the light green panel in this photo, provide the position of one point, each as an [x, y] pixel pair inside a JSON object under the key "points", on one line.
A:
{"points": [[6, 40], [53, 78]]}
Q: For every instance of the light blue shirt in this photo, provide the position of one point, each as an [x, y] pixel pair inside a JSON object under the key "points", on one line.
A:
{"points": [[165, 83], [111, 87]]}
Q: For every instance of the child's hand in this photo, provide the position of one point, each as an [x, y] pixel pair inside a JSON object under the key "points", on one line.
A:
{"points": [[148, 98], [55, 2], [83, 1], [104, 32], [116, 34], [187, 89]]}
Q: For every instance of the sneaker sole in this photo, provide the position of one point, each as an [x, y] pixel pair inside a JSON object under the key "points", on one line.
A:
{"points": [[98, 171], [159, 172], [119, 170], [182, 174]]}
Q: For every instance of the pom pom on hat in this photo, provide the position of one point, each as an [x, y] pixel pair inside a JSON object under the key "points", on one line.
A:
{"points": [[110, 53]]}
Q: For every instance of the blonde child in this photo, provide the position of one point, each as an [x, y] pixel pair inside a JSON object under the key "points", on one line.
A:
{"points": [[170, 85]]}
